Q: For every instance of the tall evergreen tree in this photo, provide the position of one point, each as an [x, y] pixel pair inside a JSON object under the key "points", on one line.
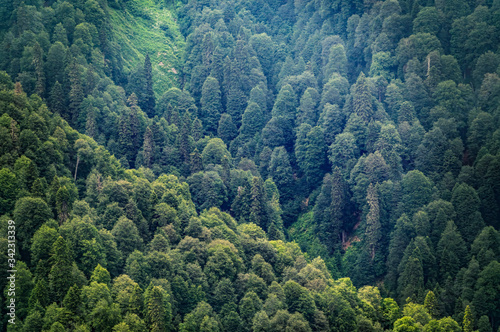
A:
{"points": [[226, 130], [362, 99], [60, 276], [211, 106], [252, 121], [373, 228], [56, 99], [76, 91], [281, 172], [258, 213], [158, 309], [451, 250], [469, 219], [148, 101], [315, 156], [148, 148]]}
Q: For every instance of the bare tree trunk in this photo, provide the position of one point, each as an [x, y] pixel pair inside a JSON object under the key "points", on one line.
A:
{"points": [[76, 168]]}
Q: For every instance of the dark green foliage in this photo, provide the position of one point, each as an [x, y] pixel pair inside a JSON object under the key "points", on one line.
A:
{"points": [[148, 102], [211, 106], [60, 276], [396, 102], [226, 129], [280, 171]]}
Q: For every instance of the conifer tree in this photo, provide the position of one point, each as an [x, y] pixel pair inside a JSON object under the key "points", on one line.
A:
{"points": [[72, 304], [307, 112], [373, 227], [451, 250], [468, 325], [39, 295], [76, 91], [281, 172], [362, 99], [148, 103], [39, 69], [329, 211], [337, 62], [411, 280], [60, 276], [315, 156], [158, 310], [226, 130], [301, 145], [258, 205], [211, 106], [466, 203], [251, 122], [285, 104], [56, 99], [148, 148], [431, 304], [63, 201], [401, 236]]}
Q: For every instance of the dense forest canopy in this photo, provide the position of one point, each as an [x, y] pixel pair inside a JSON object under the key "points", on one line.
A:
{"points": [[250, 165]]}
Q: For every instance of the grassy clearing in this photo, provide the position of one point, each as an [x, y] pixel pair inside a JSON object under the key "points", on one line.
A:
{"points": [[144, 28]]}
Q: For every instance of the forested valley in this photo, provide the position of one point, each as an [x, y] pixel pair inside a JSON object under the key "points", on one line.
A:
{"points": [[250, 165]]}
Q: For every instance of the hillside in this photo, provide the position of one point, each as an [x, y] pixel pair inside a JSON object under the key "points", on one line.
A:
{"points": [[146, 28], [257, 165]]}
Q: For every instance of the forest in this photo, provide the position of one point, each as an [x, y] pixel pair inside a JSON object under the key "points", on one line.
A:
{"points": [[250, 165]]}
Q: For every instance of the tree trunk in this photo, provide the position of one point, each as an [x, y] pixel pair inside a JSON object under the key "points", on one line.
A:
{"points": [[76, 168]]}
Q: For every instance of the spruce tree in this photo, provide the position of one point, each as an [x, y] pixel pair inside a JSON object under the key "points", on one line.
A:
{"points": [[211, 106], [362, 99], [411, 280], [468, 322], [158, 313], [315, 156], [451, 250], [226, 130], [60, 276], [337, 62], [373, 228], [307, 112], [148, 148], [39, 69], [467, 203], [431, 305], [56, 99], [281, 172], [148, 102], [285, 104], [76, 93], [301, 145], [401, 236], [252, 121], [258, 204]]}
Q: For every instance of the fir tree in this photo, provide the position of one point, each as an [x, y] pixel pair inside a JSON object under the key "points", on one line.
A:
{"points": [[76, 91], [315, 156], [252, 121], [431, 305], [211, 106], [156, 310], [148, 148], [468, 323], [372, 232], [362, 99], [56, 99], [148, 102], [258, 204], [60, 276], [226, 130]]}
